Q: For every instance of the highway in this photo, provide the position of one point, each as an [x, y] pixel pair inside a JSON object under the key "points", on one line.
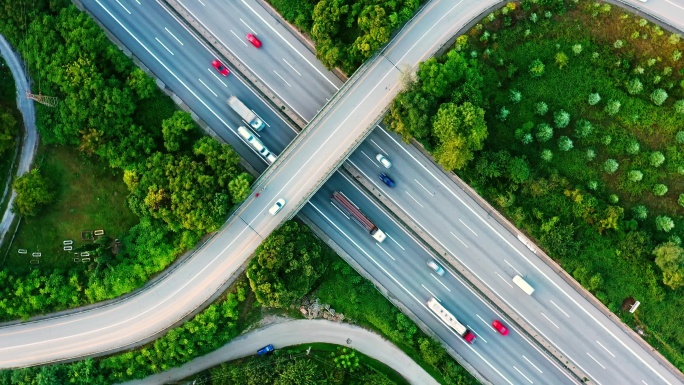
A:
{"points": [[187, 71]]}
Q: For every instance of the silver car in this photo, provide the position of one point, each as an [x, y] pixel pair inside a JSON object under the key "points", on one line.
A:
{"points": [[436, 267], [383, 160]]}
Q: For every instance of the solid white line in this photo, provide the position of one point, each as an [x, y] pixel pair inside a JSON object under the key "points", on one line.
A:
{"points": [[440, 282], [482, 319], [535, 366], [239, 38], [477, 334], [213, 73], [288, 43], [293, 69], [369, 158], [395, 241], [163, 45], [431, 293], [378, 146], [459, 239], [421, 185], [554, 304], [248, 27], [138, 2], [122, 6], [388, 254], [644, 382], [676, 5], [550, 320], [606, 349], [407, 193], [504, 279], [471, 230], [282, 78], [516, 270], [200, 1], [210, 90], [174, 36], [521, 373], [338, 209], [595, 360]]}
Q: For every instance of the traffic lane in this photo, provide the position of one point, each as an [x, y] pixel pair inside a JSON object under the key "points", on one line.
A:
{"points": [[277, 64], [414, 279]]}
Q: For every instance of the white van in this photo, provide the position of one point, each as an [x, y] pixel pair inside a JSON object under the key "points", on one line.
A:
{"points": [[254, 142], [523, 285]]}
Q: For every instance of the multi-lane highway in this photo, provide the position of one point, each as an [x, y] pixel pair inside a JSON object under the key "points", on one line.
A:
{"points": [[398, 263]]}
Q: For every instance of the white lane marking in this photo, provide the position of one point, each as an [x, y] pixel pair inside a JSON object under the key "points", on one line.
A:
{"points": [[549, 319], [471, 230], [122, 6], [606, 349], [516, 270], [138, 2], [288, 43], [248, 27], [200, 1], [504, 279], [644, 382], [378, 146], [283, 79], [440, 282], [431, 293], [676, 5], [421, 303], [477, 334], [210, 90], [163, 45], [238, 37], [482, 319], [407, 193], [213, 73], [395, 241], [421, 185], [174, 36], [592, 357], [521, 373], [369, 158], [535, 366], [293, 69], [388, 254], [459, 239], [338, 209], [554, 304]]}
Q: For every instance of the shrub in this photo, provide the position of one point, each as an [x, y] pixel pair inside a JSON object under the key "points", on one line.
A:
{"points": [[548, 14], [592, 185], [679, 106], [503, 114], [534, 17], [565, 143], [634, 86], [612, 107], [591, 154], [640, 212], [664, 223], [680, 137], [541, 108], [635, 175], [561, 119], [577, 49], [613, 199], [594, 99], [632, 147], [544, 132], [680, 200], [583, 128], [618, 44], [536, 68], [657, 158], [676, 55], [610, 166], [674, 38], [561, 59], [607, 140], [547, 156], [526, 138], [515, 96], [659, 190], [658, 96]]}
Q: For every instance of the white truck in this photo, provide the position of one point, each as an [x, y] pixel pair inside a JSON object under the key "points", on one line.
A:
{"points": [[245, 113], [343, 203]]}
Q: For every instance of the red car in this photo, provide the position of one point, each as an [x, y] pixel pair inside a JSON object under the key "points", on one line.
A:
{"points": [[220, 67], [253, 39], [500, 328]]}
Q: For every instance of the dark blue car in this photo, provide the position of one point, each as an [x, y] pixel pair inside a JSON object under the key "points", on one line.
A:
{"points": [[265, 350], [387, 180]]}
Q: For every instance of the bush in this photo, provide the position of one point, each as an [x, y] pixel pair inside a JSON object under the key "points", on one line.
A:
{"points": [[679, 106], [618, 44], [659, 189], [544, 132], [610, 166], [613, 199], [561, 59], [565, 143], [34, 192], [583, 128], [590, 154], [592, 185], [680, 200], [680, 137], [656, 159], [607, 140], [632, 147], [593, 99], [515, 96], [640, 212], [503, 114], [577, 49], [635, 175], [664, 223], [536, 68], [541, 108], [634, 86], [658, 96], [546, 155], [561, 119], [612, 107]]}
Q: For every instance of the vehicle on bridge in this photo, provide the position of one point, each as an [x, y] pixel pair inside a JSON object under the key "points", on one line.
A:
{"points": [[245, 113], [450, 320], [345, 205]]}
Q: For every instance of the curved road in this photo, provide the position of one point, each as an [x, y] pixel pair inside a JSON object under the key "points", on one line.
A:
{"points": [[299, 332]]}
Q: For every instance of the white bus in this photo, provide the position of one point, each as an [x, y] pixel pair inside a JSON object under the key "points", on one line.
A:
{"points": [[523, 285], [450, 320]]}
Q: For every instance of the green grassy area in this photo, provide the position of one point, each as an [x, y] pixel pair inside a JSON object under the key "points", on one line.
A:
{"points": [[89, 197]]}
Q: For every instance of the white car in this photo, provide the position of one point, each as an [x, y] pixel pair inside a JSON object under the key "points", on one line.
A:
{"points": [[254, 142], [277, 206], [383, 160], [435, 266]]}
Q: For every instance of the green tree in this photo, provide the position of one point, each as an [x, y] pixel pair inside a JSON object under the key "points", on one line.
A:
{"points": [[640, 212], [634, 86], [546, 155], [175, 129], [239, 187], [659, 189], [519, 170], [659, 96], [610, 166], [431, 351], [594, 99], [561, 119], [656, 159], [460, 130], [632, 147], [541, 108], [612, 107], [664, 223], [142, 84], [536, 68], [635, 175], [561, 59], [583, 128], [565, 143], [670, 259], [8, 131], [34, 192], [544, 132]]}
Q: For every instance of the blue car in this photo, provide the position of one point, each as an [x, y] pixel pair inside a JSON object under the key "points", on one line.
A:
{"points": [[387, 180], [265, 350]]}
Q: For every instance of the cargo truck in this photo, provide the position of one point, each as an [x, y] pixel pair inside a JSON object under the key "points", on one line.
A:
{"points": [[343, 203], [450, 320], [245, 113]]}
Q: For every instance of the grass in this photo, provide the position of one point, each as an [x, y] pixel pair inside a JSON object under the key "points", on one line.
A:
{"points": [[89, 197]]}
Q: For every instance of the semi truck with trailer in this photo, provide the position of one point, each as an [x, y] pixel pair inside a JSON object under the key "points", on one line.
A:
{"points": [[450, 320], [245, 113], [343, 203]]}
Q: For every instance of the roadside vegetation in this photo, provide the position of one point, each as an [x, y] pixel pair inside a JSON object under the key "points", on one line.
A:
{"points": [[568, 116], [346, 32], [10, 119], [111, 125]]}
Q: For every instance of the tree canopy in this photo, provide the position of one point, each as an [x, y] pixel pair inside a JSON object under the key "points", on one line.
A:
{"points": [[33, 192]]}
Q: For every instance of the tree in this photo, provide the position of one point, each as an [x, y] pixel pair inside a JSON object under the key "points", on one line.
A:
{"points": [[8, 131], [544, 132], [460, 131], [536, 68], [664, 223], [635, 175], [519, 170], [561, 59], [656, 159], [634, 86], [594, 99], [670, 259], [142, 84], [640, 212], [561, 119], [175, 129], [34, 191], [680, 200], [612, 107], [659, 189], [610, 166], [239, 187], [658, 96], [431, 351], [541, 108], [546, 155], [679, 106], [515, 96], [583, 128], [632, 147], [565, 143], [679, 137]]}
